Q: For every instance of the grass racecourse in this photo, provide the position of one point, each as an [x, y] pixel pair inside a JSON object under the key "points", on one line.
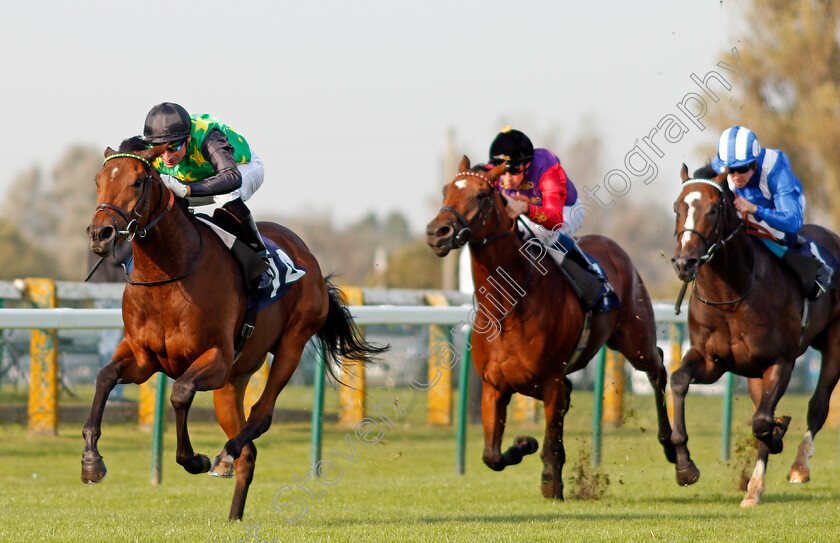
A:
{"points": [[404, 488]]}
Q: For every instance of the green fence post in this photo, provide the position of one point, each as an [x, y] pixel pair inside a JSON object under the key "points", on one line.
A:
{"points": [[726, 427], [317, 410], [598, 407], [463, 392], [157, 431]]}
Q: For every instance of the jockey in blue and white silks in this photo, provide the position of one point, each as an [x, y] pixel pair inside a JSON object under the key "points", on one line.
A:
{"points": [[765, 187], [771, 185]]}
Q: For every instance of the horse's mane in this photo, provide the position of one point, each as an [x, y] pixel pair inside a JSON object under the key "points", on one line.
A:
{"points": [[135, 143]]}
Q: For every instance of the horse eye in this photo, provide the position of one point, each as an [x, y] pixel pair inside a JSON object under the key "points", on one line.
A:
{"points": [[138, 182]]}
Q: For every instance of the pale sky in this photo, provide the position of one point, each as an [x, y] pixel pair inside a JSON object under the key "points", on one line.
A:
{"points": [[349, 103]]}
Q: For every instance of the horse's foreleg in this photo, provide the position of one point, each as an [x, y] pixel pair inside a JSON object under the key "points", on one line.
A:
{"points": [[208, 372], [493, 416], [694, 368], [766, 427], [122, 368], [755, 488], [556, 401]]}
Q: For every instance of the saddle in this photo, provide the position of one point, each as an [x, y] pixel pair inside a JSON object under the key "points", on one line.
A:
{"points": [[232, 234]]}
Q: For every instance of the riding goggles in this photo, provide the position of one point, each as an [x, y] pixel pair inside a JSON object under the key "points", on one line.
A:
{"points": [[513, 168], [743, 169], [175, 146]]}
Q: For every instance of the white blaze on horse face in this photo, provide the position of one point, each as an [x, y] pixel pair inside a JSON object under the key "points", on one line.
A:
{"points": [[690, 198], [461, 183], [114, 173]]}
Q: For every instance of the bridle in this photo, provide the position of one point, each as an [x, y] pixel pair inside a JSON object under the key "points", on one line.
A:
{"points": [[718, 244], [132, 218], [466, 227]]}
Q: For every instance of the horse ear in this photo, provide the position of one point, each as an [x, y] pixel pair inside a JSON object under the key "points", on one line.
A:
{"points": [[684, 172], [721, 178], [498, 170], [153, 152], [109, 152], [464, 165]]}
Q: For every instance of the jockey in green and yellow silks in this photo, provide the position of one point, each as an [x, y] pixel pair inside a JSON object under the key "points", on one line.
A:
{"points": [[207, 161]]}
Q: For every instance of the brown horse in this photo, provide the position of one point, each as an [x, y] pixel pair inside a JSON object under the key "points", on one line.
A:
{"points": [[529, 330], [184, 305], [745, 316]]}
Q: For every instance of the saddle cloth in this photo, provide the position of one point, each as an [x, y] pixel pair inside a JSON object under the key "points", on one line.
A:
{"points": [[285, 271]]}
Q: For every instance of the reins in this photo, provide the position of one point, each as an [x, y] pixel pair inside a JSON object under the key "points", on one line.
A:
{"points": [[132, 223]]}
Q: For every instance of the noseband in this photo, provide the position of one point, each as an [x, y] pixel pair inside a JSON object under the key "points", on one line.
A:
{"points": [[466, 228]]}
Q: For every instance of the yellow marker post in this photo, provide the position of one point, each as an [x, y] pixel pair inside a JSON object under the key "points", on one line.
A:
{"points": [[256, 385], [614, 389], [146, 405], [676, 361], [352, 399], [43, 385], [440, 368], [524, 408]]}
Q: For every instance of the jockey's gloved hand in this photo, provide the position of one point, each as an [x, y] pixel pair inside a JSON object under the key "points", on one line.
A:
{"points": [[180, 189]]}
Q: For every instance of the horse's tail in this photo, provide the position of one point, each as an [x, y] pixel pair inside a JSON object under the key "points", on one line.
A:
{"points": [[341, 337]]}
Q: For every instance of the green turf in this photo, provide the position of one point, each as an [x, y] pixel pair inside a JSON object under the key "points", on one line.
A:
{"points": [[404, 488]]}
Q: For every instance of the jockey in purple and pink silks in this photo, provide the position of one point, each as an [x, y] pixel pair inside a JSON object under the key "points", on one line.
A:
{"points": [[539, 194]]}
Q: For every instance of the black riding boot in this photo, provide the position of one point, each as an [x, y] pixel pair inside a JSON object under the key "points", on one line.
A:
{"points": [[258, 274], [578, 270]]}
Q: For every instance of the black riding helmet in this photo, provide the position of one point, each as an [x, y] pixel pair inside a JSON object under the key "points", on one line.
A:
{"points": [[167, 122], [512, 146]]}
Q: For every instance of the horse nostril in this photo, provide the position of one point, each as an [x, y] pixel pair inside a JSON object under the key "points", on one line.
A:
{"points": [[106, 233], [444, 231]]}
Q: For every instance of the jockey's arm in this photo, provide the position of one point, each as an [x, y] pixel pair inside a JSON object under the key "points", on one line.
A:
{"points": [[219, 152], [787, 200], [553, 190]]}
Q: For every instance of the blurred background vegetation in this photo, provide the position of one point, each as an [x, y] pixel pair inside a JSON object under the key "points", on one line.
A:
{"points": [[791, 53]]}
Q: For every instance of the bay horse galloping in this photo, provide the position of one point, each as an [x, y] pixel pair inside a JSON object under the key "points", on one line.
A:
{"points": [[530, 330], [746, 317], [184, 305]]}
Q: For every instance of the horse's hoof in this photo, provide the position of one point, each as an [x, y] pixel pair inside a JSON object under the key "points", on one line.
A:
{"points": [[749, 502], [799, 474], [688, 475], [198, 463], [222, 466], [526, 444], [551, 491], [93, 472]]}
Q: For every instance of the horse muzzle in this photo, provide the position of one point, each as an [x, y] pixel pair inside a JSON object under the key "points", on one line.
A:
{"points": [[442, 238], [685, 267], [102, 239]]}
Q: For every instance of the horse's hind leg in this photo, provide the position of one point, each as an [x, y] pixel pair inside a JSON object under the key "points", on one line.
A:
{"points": [[231, 415], [800, 471], [208, 372], [651, 363], [122, 368], [556, 398]]}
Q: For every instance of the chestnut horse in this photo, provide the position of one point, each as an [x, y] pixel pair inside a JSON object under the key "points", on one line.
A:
{"points": [[184, 305], [530, 330], [745, 316]]}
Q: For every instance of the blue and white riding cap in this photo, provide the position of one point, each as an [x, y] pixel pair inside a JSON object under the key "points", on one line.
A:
{"points": [[737, 147]]}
